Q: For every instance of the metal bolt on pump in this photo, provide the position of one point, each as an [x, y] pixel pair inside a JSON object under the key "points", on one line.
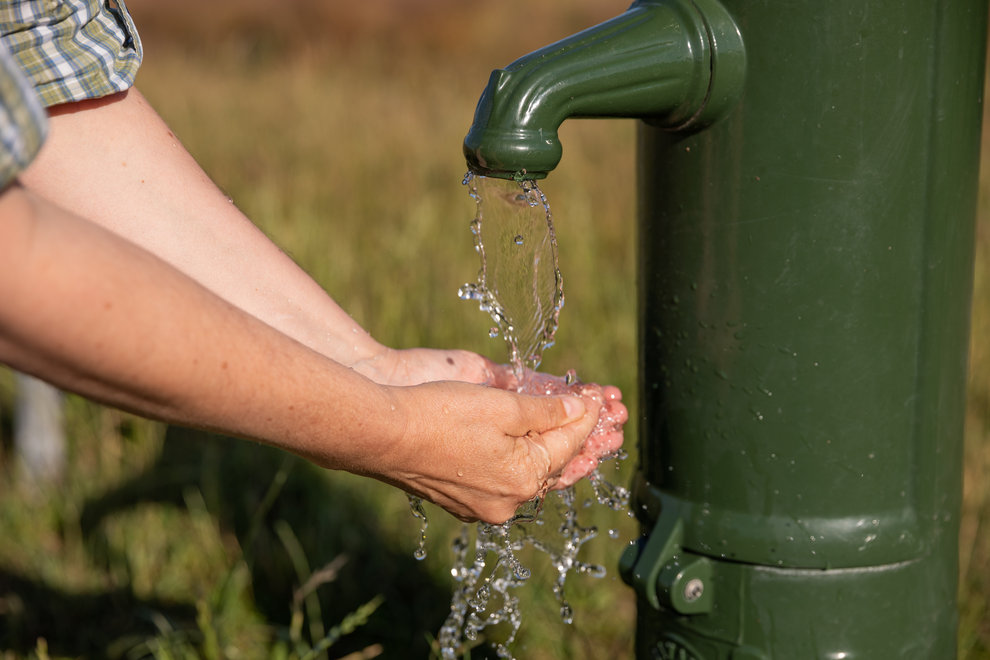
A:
{"points": [[807, 178], [693, 590]]}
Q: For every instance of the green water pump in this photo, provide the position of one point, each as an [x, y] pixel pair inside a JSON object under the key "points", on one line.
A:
{"points": [[807, 178]]}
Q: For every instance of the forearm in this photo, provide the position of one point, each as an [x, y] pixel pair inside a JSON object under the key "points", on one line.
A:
{"points": [[99, 316], [114, 162]]}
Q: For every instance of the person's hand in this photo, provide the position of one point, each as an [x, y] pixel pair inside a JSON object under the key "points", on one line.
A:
{"points": [[481, 452], [605, 439], [413, 366]]}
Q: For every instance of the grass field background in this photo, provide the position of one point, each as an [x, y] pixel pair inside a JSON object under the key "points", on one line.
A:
{"points": [[337, 127]]}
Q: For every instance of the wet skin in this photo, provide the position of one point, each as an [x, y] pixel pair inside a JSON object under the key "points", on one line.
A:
{"points": [[607, 436]]}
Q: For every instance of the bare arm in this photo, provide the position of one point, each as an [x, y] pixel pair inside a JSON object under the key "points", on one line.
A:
{"points": [[98, 315], [114, 161]]}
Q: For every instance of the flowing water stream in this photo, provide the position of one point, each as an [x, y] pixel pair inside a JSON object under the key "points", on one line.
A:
{"points": [[519, 283], [520, 286]]}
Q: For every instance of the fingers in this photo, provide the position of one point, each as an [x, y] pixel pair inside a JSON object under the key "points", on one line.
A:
{"points": [[612, 393], [578, 468], [502, 377], [617, 412], [604, 441], [533, 443], [570, 420]]}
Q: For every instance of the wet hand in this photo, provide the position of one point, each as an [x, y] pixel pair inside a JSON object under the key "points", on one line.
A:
{"points": [[481, 452], [607, 436], [605, 439]]}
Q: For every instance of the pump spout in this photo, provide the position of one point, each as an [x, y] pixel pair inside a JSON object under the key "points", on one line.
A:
{"points": [[678, 64]]}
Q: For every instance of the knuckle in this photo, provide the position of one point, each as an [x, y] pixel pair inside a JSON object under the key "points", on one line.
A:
{"points": [[496, 514]]}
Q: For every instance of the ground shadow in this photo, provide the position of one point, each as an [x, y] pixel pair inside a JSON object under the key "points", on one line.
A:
{"points": [[94, 624], [329, 519]]}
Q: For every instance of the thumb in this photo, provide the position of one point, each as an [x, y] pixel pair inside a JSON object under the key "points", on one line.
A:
{"points": [[574, 408], [541, 413], [557, 411], [569, 422]]}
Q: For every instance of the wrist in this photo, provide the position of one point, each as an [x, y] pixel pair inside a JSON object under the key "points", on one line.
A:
{"points": [[393, 432], [374, 361]]}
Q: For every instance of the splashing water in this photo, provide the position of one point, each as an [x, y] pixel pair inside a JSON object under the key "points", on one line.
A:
{"points": [[416, 504], [519, 283], [520, 286]]}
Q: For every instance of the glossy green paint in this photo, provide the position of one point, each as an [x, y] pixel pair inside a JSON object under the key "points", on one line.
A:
{"points": [[679, 63], [804, 275]]}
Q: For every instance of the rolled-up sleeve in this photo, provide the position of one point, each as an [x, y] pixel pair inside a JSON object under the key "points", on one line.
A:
{"points": [[23, 121], [72, 50]]}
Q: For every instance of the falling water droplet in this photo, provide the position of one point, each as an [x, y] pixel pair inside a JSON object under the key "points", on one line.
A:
{"points": [[416, 504]]}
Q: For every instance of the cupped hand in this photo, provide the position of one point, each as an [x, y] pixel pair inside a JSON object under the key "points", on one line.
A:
{"points": [[605, 439], [481, 452], [607, 436]]}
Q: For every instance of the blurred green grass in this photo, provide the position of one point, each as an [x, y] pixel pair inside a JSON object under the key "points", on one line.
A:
{"points": [[337, 128]]}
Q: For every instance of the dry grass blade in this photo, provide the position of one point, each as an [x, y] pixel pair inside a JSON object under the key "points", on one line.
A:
{"points": [[323, 576]]}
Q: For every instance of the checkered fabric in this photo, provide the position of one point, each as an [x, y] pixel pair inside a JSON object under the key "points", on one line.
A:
{"points": [[22, 120], [72, 49]]}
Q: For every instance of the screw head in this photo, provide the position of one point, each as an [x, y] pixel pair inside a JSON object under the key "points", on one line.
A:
{"points": [[693, 589]]}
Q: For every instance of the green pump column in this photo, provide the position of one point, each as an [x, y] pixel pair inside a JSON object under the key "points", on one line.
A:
{"points": [[807, 182], [805, 272]]}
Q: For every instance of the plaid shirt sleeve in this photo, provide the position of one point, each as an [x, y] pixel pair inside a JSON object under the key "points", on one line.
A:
{"points": [[22, 120], [72, 49]]}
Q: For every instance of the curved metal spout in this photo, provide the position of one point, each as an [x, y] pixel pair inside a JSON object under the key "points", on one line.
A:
{"points": [[676, 63]]}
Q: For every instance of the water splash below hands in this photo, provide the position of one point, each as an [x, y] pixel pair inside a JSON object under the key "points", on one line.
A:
{"points": [[564, 558]]}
